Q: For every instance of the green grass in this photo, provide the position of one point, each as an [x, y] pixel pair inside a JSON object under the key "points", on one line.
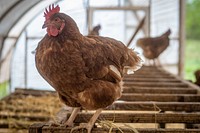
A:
{"points": [[192, 58], [3, 89]]}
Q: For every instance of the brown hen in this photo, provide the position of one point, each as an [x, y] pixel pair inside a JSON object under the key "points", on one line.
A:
{"points": [[197, 76], [153, 47], [85, 71]]}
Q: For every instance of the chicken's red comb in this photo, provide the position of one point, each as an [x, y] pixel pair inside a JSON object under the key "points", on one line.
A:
{"points": [[52, 10]]}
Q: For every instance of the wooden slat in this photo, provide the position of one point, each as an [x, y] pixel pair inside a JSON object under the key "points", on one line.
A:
{"points": [[15, 124], [156, 106], [161, 97], [33, 117], [128, 117], [136, 106], [47, 129], [40, 127], [149, 68], [157, 84], [23, 109], [33, 92], [13, 130], [143, 117], [159, 90], [149, 76], [37, 128], [149, 73], [129, 79]]}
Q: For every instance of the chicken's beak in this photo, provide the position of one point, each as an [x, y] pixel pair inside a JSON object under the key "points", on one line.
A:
{"points": [[44, 26]]}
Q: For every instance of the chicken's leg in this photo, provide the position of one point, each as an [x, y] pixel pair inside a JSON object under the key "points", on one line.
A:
{"points": [[90, 124], [72, 117]]}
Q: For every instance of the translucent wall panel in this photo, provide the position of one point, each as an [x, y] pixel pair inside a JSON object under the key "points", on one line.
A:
{"points": [[139, 2], [18, 66], [5, 59], [112, 23], [165, 15]]}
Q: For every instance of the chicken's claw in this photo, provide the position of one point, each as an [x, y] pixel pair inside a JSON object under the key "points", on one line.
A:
{"points": [[70, 121], [68, 124], [86, 126]]}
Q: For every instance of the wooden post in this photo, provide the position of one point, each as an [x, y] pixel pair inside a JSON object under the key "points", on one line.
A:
{"points": [[1, 48], [90, 19], [87, 15], [181, 37], [36, 128], [149, 18]]}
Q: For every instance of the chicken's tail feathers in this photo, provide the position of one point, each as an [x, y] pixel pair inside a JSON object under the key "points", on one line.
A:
{"points": [[134, 61], [167, 33]]}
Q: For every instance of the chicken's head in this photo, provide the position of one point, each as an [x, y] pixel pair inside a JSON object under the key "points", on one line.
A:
{"points": [[53, 22]]}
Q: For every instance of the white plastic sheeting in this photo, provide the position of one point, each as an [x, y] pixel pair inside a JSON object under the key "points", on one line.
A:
{"points": [[165, 15]]}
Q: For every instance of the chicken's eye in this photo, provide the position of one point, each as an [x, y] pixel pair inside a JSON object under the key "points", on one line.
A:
{"points": [[56, 19]]}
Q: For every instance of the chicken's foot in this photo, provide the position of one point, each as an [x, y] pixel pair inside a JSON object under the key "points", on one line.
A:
{"points": [[90, 124], [72, 117]]}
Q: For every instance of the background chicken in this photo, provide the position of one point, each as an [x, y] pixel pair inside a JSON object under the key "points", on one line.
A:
{"points": [[85, 71], [153, 47], [197, 76], [95, 30]]}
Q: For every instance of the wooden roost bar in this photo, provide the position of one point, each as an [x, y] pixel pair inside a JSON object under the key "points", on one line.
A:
{"points": [[151, 95]]}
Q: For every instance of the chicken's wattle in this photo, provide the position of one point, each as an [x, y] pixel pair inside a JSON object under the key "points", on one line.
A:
{"points": [[52, 30]]}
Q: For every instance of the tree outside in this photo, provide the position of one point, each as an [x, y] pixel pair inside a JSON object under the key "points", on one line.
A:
{"points": [[192, 54]]}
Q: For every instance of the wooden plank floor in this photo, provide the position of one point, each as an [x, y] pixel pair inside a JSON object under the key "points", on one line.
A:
{"points": [[24, 107], [151, 95], [153, 100]]}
